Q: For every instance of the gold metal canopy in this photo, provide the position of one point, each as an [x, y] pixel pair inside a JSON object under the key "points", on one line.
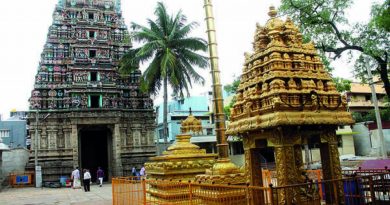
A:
{"points": [[181, 162], [284, 83]]}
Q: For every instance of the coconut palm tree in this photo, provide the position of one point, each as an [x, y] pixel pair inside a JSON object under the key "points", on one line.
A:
{"points": [[171, 55]]}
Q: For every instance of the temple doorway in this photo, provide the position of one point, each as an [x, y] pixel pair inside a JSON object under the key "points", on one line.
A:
{"points": [[95, 150]]}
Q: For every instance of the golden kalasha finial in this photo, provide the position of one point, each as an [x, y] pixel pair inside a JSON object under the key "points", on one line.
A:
{"points": [[272, 12]]}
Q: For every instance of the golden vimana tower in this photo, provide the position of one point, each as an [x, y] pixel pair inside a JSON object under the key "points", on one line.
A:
{"points": [[287, 99], [284, 83]]}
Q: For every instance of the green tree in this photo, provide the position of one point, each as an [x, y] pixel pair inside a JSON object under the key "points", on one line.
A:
{"points": [[342, 84], [325, 23], [226, 109], [232, 88], [171, 55], [381, 15]]}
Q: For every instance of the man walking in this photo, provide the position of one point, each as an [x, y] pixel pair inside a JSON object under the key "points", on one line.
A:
{"points": [[100, 176], [76, 178], [87, 180]]}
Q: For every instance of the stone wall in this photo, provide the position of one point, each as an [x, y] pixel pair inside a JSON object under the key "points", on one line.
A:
{"points": [[14, 160], [131, 141], [367, 142]]}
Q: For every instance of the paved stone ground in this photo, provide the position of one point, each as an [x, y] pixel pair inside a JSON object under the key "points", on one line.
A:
{"points": [[61, 196]]}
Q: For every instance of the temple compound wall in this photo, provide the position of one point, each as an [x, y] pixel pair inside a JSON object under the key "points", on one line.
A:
{"points": [[83, 113]]}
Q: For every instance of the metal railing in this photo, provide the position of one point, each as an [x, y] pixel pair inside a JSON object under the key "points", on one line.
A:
{"points": [[369, 189]]}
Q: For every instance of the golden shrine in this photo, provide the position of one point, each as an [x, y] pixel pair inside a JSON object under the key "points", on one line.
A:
{"points": [[181, 162], [191, 124], [286, 97]]}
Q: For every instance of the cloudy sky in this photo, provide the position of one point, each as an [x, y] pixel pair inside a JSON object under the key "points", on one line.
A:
{"points": [[24, 25]]}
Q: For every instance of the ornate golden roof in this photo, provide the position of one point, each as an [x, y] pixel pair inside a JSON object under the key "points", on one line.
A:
{"points": [[284, 83], [191, 124], [182, 160]]}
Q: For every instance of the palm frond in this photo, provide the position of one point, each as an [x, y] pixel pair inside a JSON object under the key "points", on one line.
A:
{"points": [[173, 53], [195, 44]]}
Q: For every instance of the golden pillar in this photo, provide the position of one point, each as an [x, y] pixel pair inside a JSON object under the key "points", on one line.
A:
{"points": [[223, 171], [331, 167], [288, 158], [223, 164]]}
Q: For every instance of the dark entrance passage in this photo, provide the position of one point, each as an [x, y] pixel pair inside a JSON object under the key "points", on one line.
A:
{"points": [[94, 149]]}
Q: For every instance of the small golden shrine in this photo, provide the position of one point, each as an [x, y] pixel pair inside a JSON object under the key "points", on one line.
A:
{"points": [[191, 124], [285, 98], [181, 162]]}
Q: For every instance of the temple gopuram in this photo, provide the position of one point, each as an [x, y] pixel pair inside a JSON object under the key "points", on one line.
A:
{"points": [[287, 99], [88, 115]]}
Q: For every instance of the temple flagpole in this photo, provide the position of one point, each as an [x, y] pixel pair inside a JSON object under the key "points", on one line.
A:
{"points": [[223, 165], [217, 87]]}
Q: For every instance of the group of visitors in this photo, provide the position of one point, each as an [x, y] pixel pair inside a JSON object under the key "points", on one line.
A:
{"points": [[86, 178], [141, 173], [99, 175]]}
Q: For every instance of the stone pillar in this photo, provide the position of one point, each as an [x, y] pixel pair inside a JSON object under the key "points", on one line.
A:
{"points": [[129, 137], [123, 131], [151, 136], [52, 138], [32, 135], [60, 139], [144, 137], [67, 136], [116, 145], [75, 146], [331, 167], [42, 139], [137, 137]]}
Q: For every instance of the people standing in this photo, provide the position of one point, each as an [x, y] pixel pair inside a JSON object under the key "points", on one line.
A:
{"points": [[142, 172], [100, 176], [76, 178], [134, 171], [87, 180]]}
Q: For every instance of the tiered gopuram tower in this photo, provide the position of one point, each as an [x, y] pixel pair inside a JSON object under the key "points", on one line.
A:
{"points": [[89, 115]]}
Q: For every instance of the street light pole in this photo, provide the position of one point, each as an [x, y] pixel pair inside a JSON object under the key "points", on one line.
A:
{"points": [[38, 180], [377, 114], [36, 139]]}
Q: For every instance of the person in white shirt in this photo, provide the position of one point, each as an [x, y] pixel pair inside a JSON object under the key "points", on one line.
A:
{"points": [[87, 180], [142, 172], [76, 178]]}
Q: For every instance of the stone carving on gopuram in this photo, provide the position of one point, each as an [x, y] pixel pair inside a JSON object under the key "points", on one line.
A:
{"points": [[89, 115], [181, 162], [286, 98]]}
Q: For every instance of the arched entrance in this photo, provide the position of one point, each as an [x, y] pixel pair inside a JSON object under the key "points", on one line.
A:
{"points": [[95, 143]]}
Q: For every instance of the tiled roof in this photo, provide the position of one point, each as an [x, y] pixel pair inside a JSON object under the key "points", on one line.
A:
{"points": [[365, 88]]}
